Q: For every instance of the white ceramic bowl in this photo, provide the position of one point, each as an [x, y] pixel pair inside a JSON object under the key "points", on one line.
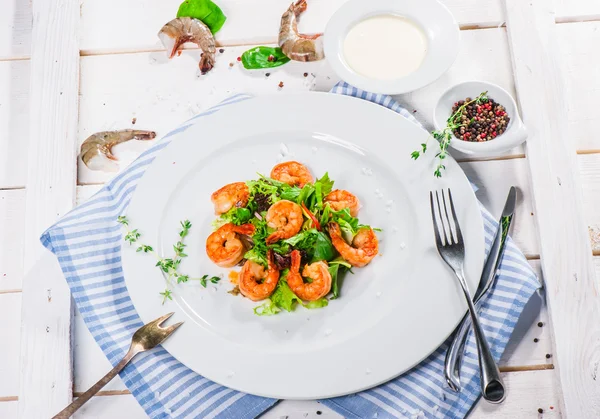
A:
{"points": [[436, 21], [515, 133]]}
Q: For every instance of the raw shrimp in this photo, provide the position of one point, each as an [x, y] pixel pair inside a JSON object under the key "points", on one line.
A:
{"points": [[96, 150], [286, 217], [224, 247], [257, 284], [234, 195], [318, 272], [296, 46], [340, 199], [178, 31], [364, 248], [292, 173]]}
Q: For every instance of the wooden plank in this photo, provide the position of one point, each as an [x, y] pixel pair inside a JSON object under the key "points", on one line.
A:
{"points": [[12, 226], [10, 329], [571, 287], [527, 392], [589, 167], [577, 10], [111, 97], [248, 22], [45, 365], [581, 62], [15, 29], [14, 122], [8, 409]]}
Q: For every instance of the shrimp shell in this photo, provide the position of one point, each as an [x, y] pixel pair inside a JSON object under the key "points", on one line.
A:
{"points": [[224, 247], [178, 31], [364, 248], [340, 199], [250, 279], [286, 217], [96, 150], [296, 46], [233, 195], [292, 173], [318, 272]]}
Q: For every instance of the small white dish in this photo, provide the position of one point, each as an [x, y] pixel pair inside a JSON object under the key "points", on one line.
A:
{"points": [[433, 18], [515, 133]]}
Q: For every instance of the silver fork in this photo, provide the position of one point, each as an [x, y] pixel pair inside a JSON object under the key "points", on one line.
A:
{"points": [[452, 251], [145, 338]]}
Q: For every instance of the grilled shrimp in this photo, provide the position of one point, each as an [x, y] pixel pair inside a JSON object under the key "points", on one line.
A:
{"points": [[234, 195], [364, 248], [292, 173], [318, 272], [224, 247], [296, 46], [286, 217], [178, 31], [340, 199], [96, 150], [255, 283]]}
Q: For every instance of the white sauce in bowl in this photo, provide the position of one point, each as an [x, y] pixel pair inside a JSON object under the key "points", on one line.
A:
{"points": [[385, 47]]}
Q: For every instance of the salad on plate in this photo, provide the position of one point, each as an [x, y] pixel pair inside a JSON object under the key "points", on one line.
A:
{"points": [[294, 237]]}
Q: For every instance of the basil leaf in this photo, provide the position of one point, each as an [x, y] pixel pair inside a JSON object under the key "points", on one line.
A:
{"points": [[206, 11], [263, 57]]}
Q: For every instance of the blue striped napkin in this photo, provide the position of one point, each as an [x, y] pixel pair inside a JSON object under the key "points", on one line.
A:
{"points": [[87, 244]]}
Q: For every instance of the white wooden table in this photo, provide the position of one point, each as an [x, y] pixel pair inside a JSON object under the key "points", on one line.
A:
{"points": [[68, 74]]}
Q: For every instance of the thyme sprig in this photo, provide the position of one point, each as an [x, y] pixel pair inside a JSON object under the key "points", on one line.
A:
{"points": [[445, 135], [170, 266]]}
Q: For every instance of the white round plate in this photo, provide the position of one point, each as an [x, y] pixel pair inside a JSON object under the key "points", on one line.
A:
{"points": [[436, 21], [391, 314]]}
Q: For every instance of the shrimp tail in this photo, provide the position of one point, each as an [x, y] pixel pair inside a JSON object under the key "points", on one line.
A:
{"points": [[296, 259], [246, 229], [299, 7], [141, 135]]}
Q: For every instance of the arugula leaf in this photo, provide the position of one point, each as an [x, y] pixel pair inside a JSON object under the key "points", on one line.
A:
{"points": [[324, 249], [206, 11], [325, 183], [337, 268], [320, 303], [305, 196], [336, 281], [263, 57], [325, 215], [258, 253]]}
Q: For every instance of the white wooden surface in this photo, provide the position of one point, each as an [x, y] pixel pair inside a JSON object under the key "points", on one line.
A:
{"points": [[45, 384], [142, 84], [571, 284]]}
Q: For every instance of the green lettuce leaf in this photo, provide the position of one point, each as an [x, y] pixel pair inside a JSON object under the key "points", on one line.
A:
{"points": [[204, 10], [291, 193], [317, 244], [266, 309], [263, 57], [283, 297], [320, 303], [237, 216]]}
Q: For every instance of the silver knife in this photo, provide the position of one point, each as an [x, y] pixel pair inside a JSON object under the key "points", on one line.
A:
{"points": [[455, 350]]}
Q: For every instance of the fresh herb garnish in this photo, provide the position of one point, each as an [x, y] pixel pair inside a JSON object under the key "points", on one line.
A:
{"points": [[169, 266], [166, 294], [444, 136], [206, 11], [263, 57]]}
